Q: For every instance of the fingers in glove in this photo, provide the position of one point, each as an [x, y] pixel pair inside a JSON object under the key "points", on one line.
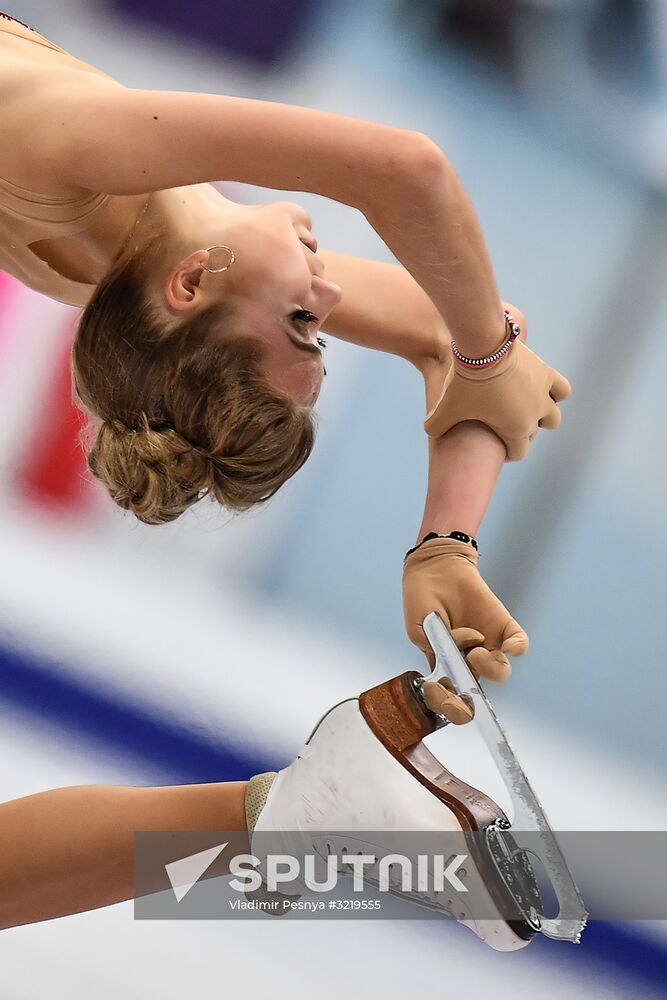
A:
{"points": [[551, 419], [560, 387], [430, 656], [489, 663], [514, 639], [465, 638], [517, 448], [441, 700], [418, 637]]}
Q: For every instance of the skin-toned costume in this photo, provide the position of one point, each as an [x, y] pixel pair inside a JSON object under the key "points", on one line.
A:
{"points": [[27, 216]]}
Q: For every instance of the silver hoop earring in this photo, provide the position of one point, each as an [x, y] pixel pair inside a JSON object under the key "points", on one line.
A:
{"points": [[216, 270]]}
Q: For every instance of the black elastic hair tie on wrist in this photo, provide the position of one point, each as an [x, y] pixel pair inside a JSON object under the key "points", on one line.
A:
{"points": [[459, 536]]}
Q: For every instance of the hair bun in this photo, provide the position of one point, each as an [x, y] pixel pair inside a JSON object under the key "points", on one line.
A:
{"points": [[156, 474]]}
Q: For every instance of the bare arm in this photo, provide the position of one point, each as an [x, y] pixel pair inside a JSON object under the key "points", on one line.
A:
{"points": [[463, 464], [382, 308], [442, 575], [433, 230], [385, 309], [463, 469], [107, 137]]}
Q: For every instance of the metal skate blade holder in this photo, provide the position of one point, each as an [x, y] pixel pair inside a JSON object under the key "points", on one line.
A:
{"points": [[530, 824]]}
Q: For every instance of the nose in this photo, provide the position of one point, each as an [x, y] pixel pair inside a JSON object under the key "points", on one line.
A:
{"points": [[327, 294]]}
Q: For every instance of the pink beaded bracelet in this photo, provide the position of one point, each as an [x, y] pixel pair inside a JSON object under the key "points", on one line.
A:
{"points": [[513, 330]]}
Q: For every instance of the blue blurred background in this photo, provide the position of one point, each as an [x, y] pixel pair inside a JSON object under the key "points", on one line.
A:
{"points": [[131, 655]]}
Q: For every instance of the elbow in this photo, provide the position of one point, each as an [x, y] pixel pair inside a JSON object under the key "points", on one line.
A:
{"points": [[430, 152], [420, 168], [408, 167], [426, 161]]}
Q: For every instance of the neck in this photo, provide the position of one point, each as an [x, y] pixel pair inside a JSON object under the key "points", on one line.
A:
{"points": [[190, 219], [128, 243]]}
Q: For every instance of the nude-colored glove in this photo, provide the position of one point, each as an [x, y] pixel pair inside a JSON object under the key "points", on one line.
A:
{"points": [[513, 397], [442, 575], [440, 696]]}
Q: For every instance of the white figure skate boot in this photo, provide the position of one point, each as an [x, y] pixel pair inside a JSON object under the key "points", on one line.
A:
{"points": [[364, 768]]}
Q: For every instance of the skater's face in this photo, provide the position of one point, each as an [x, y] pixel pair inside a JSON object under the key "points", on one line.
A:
{"points": [[276, 288]]}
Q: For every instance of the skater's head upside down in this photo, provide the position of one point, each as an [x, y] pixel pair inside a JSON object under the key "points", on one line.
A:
{"points": [[197, 356]]}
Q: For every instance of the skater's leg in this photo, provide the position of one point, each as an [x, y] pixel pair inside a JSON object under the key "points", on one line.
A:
{"points": [[71, 849]]}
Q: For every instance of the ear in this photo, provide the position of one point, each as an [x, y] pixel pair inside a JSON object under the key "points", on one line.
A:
{"points": [[180, 288]]}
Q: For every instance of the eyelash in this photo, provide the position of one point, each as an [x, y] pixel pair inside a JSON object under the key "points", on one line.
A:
{"points": [[304, 316]]}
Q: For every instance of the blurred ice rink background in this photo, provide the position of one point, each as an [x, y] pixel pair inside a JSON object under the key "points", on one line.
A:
{"points": [[131, 654]]}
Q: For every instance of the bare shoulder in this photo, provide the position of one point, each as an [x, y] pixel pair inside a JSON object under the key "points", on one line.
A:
{"points": [[28, 154]]}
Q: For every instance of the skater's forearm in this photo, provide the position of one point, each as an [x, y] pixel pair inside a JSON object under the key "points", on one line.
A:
{"points": [[383, 308], [433, 230], [464, 464], [71, 849], [463, 468]]}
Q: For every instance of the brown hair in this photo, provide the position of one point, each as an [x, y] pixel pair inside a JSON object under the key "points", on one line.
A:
{"points": [[185, 411]]}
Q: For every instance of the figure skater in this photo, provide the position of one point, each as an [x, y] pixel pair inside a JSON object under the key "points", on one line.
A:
{"points": [[198, 360]]}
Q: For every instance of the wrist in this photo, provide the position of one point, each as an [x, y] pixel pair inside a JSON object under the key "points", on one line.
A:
{"points": [[456, 534], [475, 353], [445, 529], [480, 344]]}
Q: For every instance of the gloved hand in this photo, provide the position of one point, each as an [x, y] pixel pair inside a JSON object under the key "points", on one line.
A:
{"points": [[442, 575], [513, 397]]}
